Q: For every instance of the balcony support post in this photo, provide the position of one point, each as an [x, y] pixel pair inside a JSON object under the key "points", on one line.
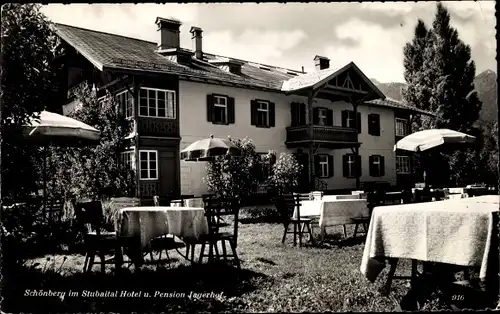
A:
{"points": [[311, 152], [355, 150], [137, 174]]}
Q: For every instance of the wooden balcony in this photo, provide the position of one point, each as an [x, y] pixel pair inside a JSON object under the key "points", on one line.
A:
{"points": [[158, 127], [328, 136]]}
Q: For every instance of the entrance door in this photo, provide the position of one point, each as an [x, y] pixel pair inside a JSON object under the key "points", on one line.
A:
{"points": [[303, 159], [168, 173]]}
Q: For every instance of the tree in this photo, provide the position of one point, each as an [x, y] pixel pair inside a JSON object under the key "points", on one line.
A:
{"points": [[441, 80], [94, 171], [285, 174], [234, 176], [26, 78], [416, 93]]}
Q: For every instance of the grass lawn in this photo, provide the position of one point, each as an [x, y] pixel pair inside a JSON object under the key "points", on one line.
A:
{"points": [[275, 277]]}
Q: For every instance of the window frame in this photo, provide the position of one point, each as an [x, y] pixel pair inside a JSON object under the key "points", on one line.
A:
{"points": [[156, 90], [322, 163], [262, 110], [405, 123], [348, 118], [149, 178], [377, 161], [351, 160], [215, 104], [126, 91], [399, 158], [322, 114], [128, 156]]}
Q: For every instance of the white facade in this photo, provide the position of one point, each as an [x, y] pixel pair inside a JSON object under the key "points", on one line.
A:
{"points": [[194, 126]]}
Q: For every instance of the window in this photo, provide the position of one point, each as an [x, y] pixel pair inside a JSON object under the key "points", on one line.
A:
{"points": [[148, 164], [126, 102], [128, 160], [157, 103], [322, 116], [401, 127], [323, 165], [298, 113], [374, 124], [262, 113], [348, 120], [377, 166], [220, 108], [351, 165], [403, 164]]}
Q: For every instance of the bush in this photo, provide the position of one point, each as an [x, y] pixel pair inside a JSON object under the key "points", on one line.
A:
{"points": [[285, 174]]}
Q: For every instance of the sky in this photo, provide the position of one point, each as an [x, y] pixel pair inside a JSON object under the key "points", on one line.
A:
{"points": [[372, 35]]}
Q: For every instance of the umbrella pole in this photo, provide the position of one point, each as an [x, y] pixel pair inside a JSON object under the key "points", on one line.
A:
{"points": [[44, 181]]}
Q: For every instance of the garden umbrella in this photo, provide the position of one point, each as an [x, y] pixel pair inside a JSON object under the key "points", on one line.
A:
{"points": [[52, 128], [433, 139], [206, 149], [427, 139]]}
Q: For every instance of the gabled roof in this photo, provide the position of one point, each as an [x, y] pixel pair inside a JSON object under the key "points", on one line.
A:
{"points": [[110, 51], [393, 103]]}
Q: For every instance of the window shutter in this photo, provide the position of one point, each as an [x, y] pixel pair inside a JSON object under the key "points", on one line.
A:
{"points": [[330, 166], [230, 110], [371, 122], [253, 112], [317, 170], [294, 111], [315, 115], [210, 108], [345, 166], [382, 166], [358, 165], [376, 124], [272, 114], [329, 117], [344, 118], [358, 122], [302, 114], [371, 166]]}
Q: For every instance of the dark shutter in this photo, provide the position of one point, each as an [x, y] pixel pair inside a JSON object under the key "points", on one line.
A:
{"points": [[358, 165], [330, 166], [271, 115], [302, 114], [329, 117], [210, 108], [315, 115], [345, 165], [370, 123], [371, 166], [294, 111], [358, 122], [253, 112], [382, 166], [230, 110], [374, 124], [344, 118], [317, 170]]}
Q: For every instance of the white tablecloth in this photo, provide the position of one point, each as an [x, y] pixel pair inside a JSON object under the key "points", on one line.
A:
{"points": [[151, 222], [456, 231], [335, 212], [341, 197]]}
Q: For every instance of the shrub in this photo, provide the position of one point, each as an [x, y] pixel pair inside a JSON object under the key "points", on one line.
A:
{"points": [[234, 176], [285, 174]]}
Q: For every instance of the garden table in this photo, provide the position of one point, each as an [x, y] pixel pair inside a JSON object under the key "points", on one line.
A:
{"points": [[147, 223], [455, 231], [334, 212]]}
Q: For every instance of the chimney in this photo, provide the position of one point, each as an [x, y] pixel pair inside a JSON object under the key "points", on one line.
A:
{"points": [[169, 33], [197, 42], [321, 63]]}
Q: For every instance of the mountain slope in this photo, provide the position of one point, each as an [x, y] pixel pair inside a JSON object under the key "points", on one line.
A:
{"points": [[485, 84]]}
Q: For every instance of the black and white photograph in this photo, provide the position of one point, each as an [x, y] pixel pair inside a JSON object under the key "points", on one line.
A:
{"points": [[249, 157]]}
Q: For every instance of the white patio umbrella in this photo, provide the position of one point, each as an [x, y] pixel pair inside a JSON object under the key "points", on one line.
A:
{"points": [[427, 139], [52, 128], [208, 148]]}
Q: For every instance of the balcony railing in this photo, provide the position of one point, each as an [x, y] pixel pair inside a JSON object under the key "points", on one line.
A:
{"points": [[333, 134], [157, 127]]}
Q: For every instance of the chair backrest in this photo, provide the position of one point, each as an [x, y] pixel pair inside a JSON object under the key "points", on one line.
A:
{"points": [[286, 205], [90, 215], [54, 209], [406, 197], [218, 207], [423, 195]]}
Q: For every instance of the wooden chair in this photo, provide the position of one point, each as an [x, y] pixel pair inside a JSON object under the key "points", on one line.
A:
{"points": [[215, 209], [286, 205], [163, 242], [54, 209], [97, 240]]}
